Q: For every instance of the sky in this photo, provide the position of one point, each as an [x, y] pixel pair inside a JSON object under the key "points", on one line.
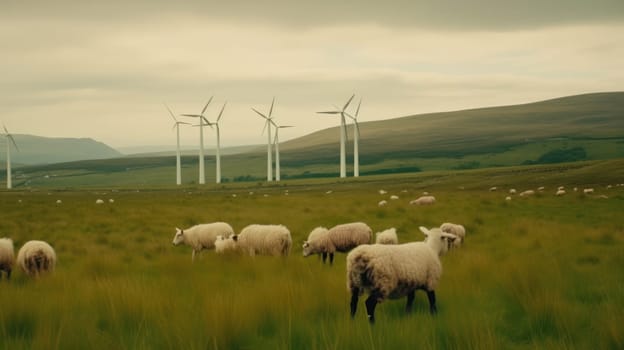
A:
{"points": [[105, 69]]}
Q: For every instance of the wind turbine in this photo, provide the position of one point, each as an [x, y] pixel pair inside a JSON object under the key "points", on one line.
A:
{"points": [[176, 126], [8, 155], [202, 176], [343, 135], [267, 125], [356, 139], [276, 142], [218, 155]]}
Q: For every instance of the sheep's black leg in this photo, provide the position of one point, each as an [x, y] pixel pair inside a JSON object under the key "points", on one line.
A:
{"points": [[371, 302], [355, 294], [432, 302], [324, 257], [331, 258], [410, 301]]}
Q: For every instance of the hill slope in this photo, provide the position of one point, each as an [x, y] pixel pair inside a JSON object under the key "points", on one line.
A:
{"points": [[47, 150]]}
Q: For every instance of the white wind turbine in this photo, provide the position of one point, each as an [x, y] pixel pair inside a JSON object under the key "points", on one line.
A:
{"points": [[276, 143], [202, 119], [267, 125], [176, 126], [343, 135], [218, 154], [356, 139], [8, 155]]}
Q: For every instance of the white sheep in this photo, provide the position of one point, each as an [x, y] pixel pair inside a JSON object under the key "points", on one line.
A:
{"points": [[225, 245], [394, 197], [527, 193], [340, 238], [508, 198], [588, 190], [36, 257], [7, 255], [99, 201], [388, 236], [493, 189], [560, 192], [202, 236], [423, 200], [382, 203], [264, 240], [458, 230], [382, 192], [395, 271], [512, 191]]}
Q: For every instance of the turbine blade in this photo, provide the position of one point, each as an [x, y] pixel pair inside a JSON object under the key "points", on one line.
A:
{"points": [[206, 106], [170, 112], [191, 115], [264, 127], [5, 129], [262, 115], [357, 111], [13, 141], [221, 113], [285, 126], [357, 128], [275, 138], [347, 104], [329, 112], [271, 110]]}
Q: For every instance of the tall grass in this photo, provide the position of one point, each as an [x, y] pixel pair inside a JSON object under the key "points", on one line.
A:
{"points": [[541, 272]]}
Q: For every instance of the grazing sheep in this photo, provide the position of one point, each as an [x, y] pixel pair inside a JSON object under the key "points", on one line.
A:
{"points": [[382, 192], [560, 192], [36, 257], [424, 200], [508, 198], [7, 254], [492, 189], [458, 230], [340, 238], [99, 201], [394, 271], [58, 201], [541, 188], [394, 197], [588, 190], [202, 236], [225, 245], [527, 193], [512, 191], [264, 240], [382, 203], [388, 236]]}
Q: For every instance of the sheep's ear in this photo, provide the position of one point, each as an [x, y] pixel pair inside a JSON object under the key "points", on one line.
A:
{"points": [[424, 230], [235, 238]]}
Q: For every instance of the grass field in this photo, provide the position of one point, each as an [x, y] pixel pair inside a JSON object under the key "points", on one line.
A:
{"points": [[542, 272]]}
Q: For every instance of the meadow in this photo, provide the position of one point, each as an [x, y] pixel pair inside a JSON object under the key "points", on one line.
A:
{"points": [[538, 272]]}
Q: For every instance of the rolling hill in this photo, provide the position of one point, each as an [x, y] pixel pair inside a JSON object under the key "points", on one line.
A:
{"points": [[567, 129]]}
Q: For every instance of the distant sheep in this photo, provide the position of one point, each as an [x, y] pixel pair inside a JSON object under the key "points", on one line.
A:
{"points": [[508, 198], [458, 230], [225, 245], [340, 238], [395, 271], [527, 193], [36, 258], [382, 192], [394, 197], [264, 240], [382, 203], [588, 190], [99, 201], [202, 236], [512, 191], [7, 255], [560, 193], [492, 189], [424, 200], [388, 236]]}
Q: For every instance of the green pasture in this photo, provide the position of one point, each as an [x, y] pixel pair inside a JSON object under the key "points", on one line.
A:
{"points": [[543, 272]]}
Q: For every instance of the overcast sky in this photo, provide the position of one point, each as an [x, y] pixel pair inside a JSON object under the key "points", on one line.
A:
{"points": [[103, 69]]}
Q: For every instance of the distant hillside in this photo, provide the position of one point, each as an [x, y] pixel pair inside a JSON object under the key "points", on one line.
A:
{"points": [[483, 130], [47, 150], [166, 151]]}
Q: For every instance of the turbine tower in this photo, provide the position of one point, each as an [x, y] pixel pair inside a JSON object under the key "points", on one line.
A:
{"points": [[267, 125], [218, 154], [276, 143], [343, 135], [356, 140], [176, 126], [8, 155], [202, 119]]}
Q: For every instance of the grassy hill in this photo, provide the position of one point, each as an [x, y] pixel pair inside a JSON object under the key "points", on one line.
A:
{"points": [[576, 128]]}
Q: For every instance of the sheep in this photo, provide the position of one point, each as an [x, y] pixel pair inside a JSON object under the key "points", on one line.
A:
{"points": [[36, 257], [512, 191], [382, 192], [225, 245], [201, 236], [382, 203], [527, 193], [560, 193], [493, 189], [99, 201], [394, 197], [458, 230], [424, 200], [340, 238], [588, 190], [388, 236], [264, 240], [58, 201], [541, 188], [394, 271], [508, 198], [7, 254]]}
